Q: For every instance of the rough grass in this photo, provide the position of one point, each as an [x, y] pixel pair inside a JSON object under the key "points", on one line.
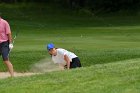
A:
{"points": [[120, 77]]}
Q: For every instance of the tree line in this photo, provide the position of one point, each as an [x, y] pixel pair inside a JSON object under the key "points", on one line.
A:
{"points": [[107, 5]]}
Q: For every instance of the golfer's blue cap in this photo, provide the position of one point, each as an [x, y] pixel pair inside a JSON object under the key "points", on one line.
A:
{"points": [[50, 46]]}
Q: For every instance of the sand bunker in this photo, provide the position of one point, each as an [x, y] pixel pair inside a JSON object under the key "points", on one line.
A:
{"points": [[16, 74]]}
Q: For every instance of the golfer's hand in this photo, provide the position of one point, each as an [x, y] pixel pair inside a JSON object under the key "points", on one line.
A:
{"points": [[11, 46]]}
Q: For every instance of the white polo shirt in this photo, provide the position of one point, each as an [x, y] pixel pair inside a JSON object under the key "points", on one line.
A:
{"points": [[59, 58]]}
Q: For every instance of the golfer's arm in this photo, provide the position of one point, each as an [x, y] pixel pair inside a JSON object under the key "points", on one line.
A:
{"points": [[67, 61], [10, 37]]}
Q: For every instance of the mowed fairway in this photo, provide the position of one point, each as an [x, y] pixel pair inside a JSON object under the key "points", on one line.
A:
{"points": [[109, 50]]}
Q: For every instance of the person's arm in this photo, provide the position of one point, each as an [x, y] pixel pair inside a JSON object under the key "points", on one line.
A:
{"points": [[8, 32], [10, 38], [10, 41], [66, 58]]}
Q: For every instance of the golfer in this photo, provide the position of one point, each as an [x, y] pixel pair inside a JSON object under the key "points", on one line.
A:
{"points": [[6, 44], [64, 58]]}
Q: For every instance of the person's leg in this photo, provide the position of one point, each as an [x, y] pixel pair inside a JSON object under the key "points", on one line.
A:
{"points": [[78, 62], [10, 67], [75, 63], [5, 55]]}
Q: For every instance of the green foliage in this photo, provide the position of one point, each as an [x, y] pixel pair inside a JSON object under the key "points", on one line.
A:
{"points": [[95, 6]]}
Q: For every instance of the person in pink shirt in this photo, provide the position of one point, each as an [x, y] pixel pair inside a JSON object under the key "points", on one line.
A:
{"points": [[6, 44]]}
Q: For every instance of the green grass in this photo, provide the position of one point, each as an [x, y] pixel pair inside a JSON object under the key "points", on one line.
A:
{"points": [[96, 46], [120, 77], [108, 47]]}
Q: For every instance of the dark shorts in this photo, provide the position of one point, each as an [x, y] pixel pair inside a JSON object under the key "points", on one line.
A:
{"points": [[75, 63], [4, 50]]}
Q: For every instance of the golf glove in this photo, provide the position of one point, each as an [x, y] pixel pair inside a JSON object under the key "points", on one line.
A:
{"points": [[11, 46]]}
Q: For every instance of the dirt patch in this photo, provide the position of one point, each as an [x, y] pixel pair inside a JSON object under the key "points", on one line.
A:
{"points": [[16, 74]]}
